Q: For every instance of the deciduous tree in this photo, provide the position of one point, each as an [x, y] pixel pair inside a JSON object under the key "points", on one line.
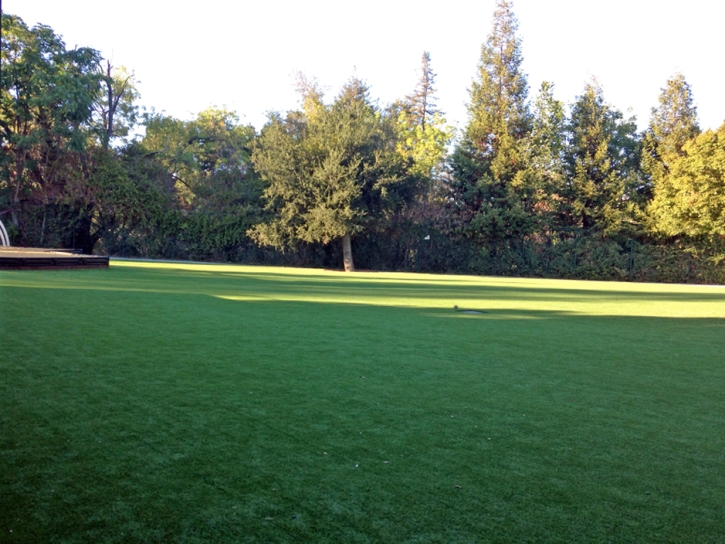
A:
{"points": [[209, 160], [690, 200], [331, 170], [116, 110], [46, 96]]}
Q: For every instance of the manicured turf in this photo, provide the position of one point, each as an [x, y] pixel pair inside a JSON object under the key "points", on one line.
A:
{"points": [[194, 403]]}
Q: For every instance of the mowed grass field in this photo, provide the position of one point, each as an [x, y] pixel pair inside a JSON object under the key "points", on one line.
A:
{"points": [[207, 403]]}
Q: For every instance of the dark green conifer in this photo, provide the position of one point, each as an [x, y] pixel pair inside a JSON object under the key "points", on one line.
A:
{"points": [[673, 123], [601, 162], [488, 189]]}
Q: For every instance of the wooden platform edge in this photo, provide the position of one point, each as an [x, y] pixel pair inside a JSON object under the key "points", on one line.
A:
{"points": [[47, 262]]}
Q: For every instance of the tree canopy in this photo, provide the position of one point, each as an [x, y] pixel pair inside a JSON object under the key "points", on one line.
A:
{"points": [[331, 169], [47, 95], [536, 186], [690, 199], [601, 163], [488, 190]]}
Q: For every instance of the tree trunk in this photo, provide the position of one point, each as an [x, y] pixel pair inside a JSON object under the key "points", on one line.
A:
{"points": [[347, 253]]}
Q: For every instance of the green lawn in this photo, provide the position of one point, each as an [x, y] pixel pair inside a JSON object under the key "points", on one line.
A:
{"points": [[208, 403]]}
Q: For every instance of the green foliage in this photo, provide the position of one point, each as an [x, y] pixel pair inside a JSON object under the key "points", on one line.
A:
{"points": [[672, 125], [683, 169], [200, 154], [690, 199], [544, 152], [46, 97], [136, 212], [601, 161], [423, 135], [116, 112], [331, 170], [425, 146], [489, 193], [498, 108], [592, 256], [208, 160], [526, 191]]}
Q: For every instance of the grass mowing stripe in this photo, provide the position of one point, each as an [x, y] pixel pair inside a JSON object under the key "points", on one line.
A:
{"points": [[196, 403]]}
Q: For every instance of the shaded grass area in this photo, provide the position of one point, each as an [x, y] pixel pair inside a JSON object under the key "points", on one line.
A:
{"points": [[200, 403]]}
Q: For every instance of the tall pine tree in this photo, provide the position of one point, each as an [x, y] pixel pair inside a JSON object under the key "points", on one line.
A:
{"points": [[601, 162], [423, 134], [488, 189], [422, 103], [672, 125], [544, 158], [674, 122]]}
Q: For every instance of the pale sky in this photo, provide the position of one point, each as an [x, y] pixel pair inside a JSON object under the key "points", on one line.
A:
{"points": [[244, 54]]}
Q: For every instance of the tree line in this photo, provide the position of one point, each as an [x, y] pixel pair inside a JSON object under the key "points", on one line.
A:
{"points": [[529, 187]]}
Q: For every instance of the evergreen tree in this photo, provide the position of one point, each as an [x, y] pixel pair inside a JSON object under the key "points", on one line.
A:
{"points": [[422, 140], [422, 102], [672, 125], [544, 157], [674, 122], [488, 189], [423, 134], [601, 163]]}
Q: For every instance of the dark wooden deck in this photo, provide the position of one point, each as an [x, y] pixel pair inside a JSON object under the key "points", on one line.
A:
{"points": [[33, 258]]}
